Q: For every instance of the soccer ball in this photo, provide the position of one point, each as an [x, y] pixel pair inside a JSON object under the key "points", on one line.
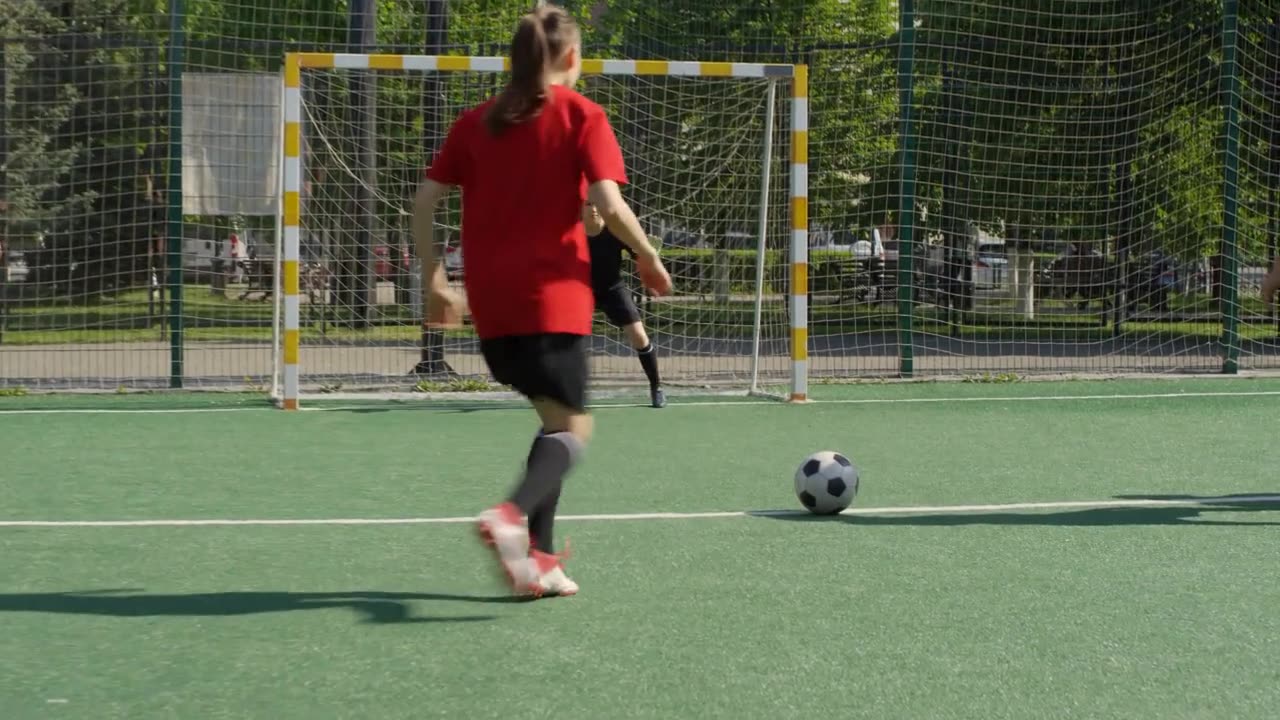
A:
{"points": [[826, 482]]}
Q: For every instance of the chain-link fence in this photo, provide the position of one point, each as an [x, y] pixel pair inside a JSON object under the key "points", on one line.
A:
{"points": [[995, 187]]}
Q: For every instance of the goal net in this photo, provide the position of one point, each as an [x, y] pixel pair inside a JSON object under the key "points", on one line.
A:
{"points": [[716, 154]]}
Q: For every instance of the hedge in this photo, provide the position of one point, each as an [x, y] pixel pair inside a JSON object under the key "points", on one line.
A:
{"points": [[695, 271]]}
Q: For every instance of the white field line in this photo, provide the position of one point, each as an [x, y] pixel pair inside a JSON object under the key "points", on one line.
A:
{"points": [[981, 399], [129, 411], [679, 405], [611, 517]]}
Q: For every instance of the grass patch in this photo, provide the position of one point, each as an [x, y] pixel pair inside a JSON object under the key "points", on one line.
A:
{"points": [[710, 327], [124, 319], [455, 385], [994, 378]]}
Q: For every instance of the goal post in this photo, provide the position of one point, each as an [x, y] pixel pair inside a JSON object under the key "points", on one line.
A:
{"points": [[719, 164]]}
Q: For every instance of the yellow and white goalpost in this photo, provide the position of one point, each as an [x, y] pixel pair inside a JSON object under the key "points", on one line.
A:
{"points": [[719, 173]]}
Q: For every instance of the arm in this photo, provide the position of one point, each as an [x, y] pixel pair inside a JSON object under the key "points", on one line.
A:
{"points": [[1270, 283], [441, 307], [601, 159], [591, 220], [434, 281]]}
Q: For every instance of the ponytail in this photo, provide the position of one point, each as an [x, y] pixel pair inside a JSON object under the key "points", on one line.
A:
{"points": [[542, 38]]}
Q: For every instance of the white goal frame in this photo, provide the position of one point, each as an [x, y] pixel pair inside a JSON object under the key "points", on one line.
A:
{"points": [[287, 353]]}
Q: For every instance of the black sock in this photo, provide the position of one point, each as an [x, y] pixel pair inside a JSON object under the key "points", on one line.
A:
{"points": [[543, 519], [550, 459], [649, 361], [542, 524]]}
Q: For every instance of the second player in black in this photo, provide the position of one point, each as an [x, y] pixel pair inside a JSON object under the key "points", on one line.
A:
{"points": [[613, 298]]}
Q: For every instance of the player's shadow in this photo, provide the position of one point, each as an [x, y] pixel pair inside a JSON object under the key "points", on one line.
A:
{"points": [[464, 409], [1234, 500], [378, 608], [1200, 514]]}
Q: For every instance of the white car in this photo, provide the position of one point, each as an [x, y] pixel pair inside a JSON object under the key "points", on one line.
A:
{"points": [[990, 266], [15, 267], [453, 262]]}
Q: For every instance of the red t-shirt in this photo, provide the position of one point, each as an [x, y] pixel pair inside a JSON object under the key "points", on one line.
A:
{"points": [[524, 250]]}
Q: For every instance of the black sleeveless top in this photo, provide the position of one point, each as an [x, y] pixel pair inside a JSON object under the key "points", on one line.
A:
{"points": [[606, 259]]}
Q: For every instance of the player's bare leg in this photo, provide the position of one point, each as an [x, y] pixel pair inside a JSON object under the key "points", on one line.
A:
{"points": [[648, 355]]}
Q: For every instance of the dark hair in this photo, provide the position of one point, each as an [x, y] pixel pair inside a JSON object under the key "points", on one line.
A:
{"points": [[542, 37]]}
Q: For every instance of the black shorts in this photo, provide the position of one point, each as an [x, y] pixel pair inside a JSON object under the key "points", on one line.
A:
{"points": [[616, 304], [551, 366]]}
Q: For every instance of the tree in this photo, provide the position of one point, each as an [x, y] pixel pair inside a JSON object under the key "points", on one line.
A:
{"points": [[39, 108], [708, 169], [80, 127], [1092, 121], [1098, 119]]}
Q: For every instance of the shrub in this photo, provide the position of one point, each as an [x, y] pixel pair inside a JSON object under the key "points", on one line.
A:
{"points": [[695, 270]]}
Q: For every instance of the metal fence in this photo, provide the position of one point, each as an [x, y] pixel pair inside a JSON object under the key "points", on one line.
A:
{"points": [[996, 187]]}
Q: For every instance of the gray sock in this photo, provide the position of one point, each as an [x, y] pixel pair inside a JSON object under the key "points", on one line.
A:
{"points": [[550, 459]]}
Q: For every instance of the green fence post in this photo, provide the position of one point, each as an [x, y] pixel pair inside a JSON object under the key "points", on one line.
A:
{"points": [[907, 200], [176, 61], [1230, 193]]}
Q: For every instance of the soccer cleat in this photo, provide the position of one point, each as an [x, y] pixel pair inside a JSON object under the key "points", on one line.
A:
{"points": [[551, 577], [657, 398], [505, 529]]}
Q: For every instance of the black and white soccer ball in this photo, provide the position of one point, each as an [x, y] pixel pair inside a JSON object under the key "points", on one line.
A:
{"points": [[826, 482]]}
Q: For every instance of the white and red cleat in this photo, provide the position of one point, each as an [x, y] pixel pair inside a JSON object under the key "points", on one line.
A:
{"points": [[551, 577], [506, 530]]}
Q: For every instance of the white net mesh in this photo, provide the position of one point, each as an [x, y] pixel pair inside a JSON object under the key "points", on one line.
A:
{"points": [[1070, 195], [1087, 127], [709, 176]]}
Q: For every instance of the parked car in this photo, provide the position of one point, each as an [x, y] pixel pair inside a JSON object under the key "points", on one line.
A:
{"points": [[15, 267], [385, 264], [929, 270], [990, 266], [453, 262], [1148, 282], [1153, 279]]}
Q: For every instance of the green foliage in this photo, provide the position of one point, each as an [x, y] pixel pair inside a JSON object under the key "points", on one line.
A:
{"points": [[253, 36], [82, 126], [993, 378], [39, 112], [1185, 209], [703, 272], [852, 103], [699, 272], [1092, 120], [454, 385], [1103, 130]]}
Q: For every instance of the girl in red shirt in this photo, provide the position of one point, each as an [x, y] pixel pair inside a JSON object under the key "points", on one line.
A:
{"points": [[526, 161]]}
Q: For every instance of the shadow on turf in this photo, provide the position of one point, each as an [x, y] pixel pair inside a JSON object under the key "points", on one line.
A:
{"points": [[1188, 515], [423, 408], [1234, 500], [377, 607]]}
